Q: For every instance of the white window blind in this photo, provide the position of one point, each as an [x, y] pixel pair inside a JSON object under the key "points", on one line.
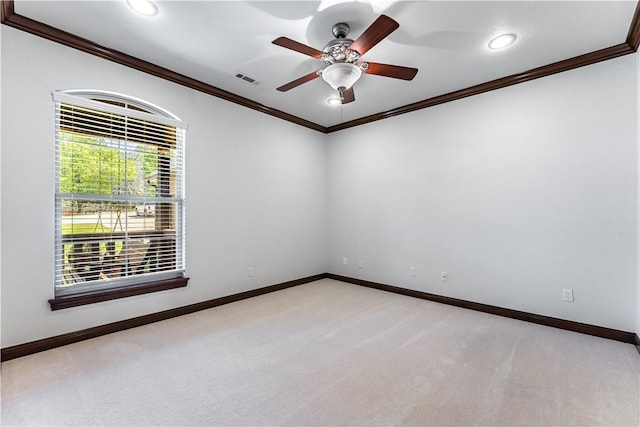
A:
{"points": [[119, 208]]}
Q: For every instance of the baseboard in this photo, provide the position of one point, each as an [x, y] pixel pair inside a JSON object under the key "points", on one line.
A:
{"points": [[32, 347], [598, 331]]}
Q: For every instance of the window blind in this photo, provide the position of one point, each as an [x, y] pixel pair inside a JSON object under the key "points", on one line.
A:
{"points": [[119, 208]]}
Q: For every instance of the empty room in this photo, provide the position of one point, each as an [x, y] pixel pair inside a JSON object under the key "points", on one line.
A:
{"points": [[322, 213]]}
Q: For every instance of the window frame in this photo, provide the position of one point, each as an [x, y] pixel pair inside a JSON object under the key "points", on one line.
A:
{"points": [[127, 284]]}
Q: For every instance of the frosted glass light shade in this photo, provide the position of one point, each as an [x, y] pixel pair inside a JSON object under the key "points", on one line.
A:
{"points": [[341, 75]]}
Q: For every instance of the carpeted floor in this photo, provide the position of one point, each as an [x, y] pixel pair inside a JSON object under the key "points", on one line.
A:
{"points": [[329, 353]]}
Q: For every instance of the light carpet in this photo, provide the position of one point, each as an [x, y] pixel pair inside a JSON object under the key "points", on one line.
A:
{"points": [[329, 353]]}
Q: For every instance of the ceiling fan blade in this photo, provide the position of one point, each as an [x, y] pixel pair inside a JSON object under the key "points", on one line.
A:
{"points": [[381, 28], [298, 47], [395, 71], [347, 95], [298, 82]]}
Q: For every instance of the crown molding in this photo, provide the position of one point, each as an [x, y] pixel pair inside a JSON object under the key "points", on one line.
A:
{"points": [[536, 73], [10, 18], [633, 37]]}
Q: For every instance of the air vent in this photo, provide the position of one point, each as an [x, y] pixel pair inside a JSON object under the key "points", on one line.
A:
{"points": [[247, 79]]}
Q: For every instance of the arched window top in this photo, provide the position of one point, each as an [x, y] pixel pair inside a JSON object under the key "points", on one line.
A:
{"points": [[120, 100], [120, 159]]}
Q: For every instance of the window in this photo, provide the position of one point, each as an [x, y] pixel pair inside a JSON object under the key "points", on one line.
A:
{"points": [[119, 208]]}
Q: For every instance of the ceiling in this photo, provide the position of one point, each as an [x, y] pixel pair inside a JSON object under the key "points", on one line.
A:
{"points": [[212, 41]]}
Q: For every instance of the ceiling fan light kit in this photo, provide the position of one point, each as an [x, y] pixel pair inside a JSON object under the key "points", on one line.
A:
{"points": [[341, 75], [342, 56]]}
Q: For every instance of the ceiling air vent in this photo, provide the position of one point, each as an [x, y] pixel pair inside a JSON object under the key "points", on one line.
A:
{"points": [[247, 79]]}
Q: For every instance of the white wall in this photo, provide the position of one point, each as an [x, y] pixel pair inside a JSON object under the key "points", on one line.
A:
{"points": [[256, 191], [637, 56], [517, 194]]}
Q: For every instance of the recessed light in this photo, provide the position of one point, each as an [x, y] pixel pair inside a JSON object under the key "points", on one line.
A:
{"points": [[334, 101], [143, 7], [502, 41]]}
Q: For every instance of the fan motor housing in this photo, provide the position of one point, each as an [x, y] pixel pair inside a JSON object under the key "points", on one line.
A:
{"points": [[340, 30], [337, 50]]}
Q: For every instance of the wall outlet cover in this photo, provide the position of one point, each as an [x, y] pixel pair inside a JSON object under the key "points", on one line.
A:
{"points": [[567, 295]]}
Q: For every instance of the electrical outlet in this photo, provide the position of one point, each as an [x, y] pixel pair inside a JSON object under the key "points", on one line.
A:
{"points": [[443, 276], [412, 271], [567, 295], [345, 260], [250, 272]]}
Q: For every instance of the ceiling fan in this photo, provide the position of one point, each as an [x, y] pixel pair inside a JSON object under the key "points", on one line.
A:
{"points": [[342, 57]]}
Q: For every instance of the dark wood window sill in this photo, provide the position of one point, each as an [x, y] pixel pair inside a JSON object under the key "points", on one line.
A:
{"points": [[92, 297]]}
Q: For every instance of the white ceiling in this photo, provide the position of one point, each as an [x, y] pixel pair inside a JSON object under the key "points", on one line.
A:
{"points": [[212, 41]]}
